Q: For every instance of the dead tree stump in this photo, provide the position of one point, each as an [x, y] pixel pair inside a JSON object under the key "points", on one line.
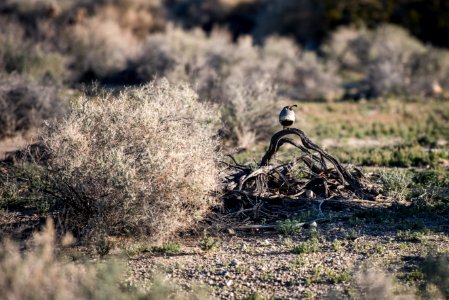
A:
{"points": [[313, 173]]}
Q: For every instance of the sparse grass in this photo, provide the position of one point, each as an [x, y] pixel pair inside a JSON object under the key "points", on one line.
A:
{"points": [[405, 155], [208, 243], [287, 227], [21, 55], [135, 248], [310, 246], [409, 236], [21, 188], [336, 245], [168, 248], [336, 277]]}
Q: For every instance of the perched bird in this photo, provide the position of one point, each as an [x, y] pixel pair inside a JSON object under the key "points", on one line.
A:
{"points": [[287, 116]]}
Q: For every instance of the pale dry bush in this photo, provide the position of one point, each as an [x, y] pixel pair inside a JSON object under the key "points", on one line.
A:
{"points": [[349, 47], [249, 105], [392, 54], [142, 162], [106, 36], [301, 74], [222, 72], [45, 272], [138, 16], [24, 104], [171, 53], [101, 46], [390, 61], [374, 284], [37, 273]]}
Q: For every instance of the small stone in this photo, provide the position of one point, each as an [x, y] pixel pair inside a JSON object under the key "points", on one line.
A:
{"points": [[229, 282], [310, 194], [235, 262], [313, 225], [231, 231]]}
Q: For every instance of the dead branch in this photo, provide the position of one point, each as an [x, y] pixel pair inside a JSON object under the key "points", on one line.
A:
{"points": [[258, 190]]}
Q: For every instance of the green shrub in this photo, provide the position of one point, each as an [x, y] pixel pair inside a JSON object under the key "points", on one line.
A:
{"points": [[141, 162], [395, 183], [167, 248], [310, 246]]}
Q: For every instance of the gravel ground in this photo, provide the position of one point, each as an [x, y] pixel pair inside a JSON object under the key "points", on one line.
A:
{"points": [[270, 265]]}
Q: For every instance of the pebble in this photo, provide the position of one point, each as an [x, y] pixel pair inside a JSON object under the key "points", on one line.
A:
{"points": [[235, 262], [231, 231]]}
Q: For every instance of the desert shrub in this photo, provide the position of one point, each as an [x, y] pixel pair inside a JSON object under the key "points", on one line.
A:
{"points": [[222, 72], [300, 74], [138, 16], [25, 105], [44, 272], [141, 162], [392, 53], [248, 109], [20, 55], [395, 183], [171, 54], [371, 283], [349, 47], [106, 36], [39, 274], [100, 46], [389, 60], [436, 272]]}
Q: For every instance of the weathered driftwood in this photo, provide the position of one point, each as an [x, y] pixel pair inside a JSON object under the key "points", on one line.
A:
{"points": [[323, 177]]}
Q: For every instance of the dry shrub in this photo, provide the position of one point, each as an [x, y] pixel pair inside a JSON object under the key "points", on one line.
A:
{"points": [[300, 74], [138, 16], [18, 54], [249, 106], [101, 46], [229, 74], [392, 54], [376, 284], [390, 60], [43, 272], [37, 274], [106, 35], [234, 76], [141, 162], [349, 47], [25, 105]]}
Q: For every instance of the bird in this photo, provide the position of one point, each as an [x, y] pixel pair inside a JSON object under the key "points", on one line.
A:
{"points": [[287, 116]]}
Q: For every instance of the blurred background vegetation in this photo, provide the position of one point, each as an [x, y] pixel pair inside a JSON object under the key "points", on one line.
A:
{"points": [[371, 79]]}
